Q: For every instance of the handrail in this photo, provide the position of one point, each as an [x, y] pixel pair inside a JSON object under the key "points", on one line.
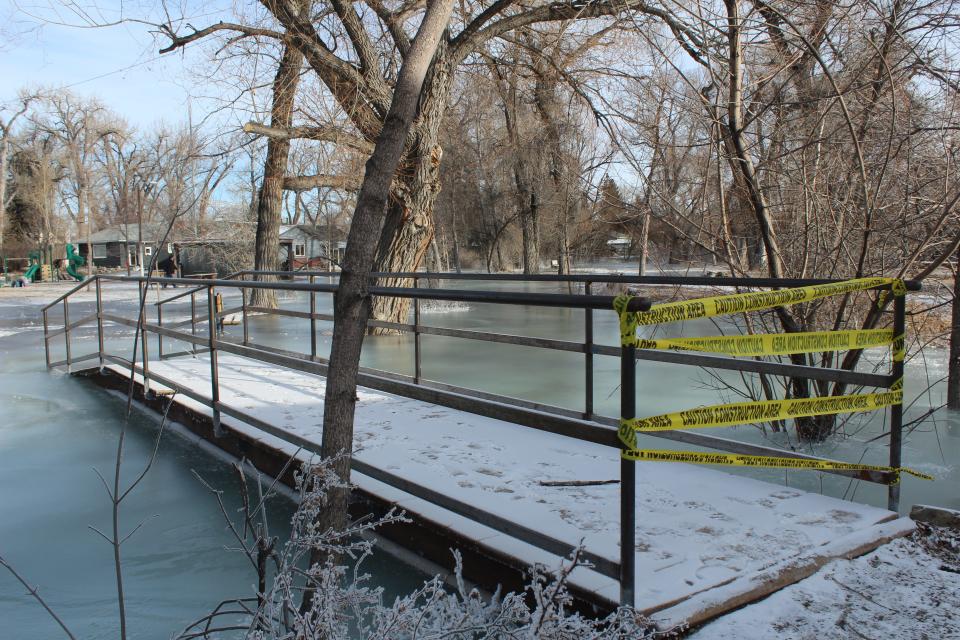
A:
{"points": [[721, 281], [198, 289], [80, 285], [502, 297]]}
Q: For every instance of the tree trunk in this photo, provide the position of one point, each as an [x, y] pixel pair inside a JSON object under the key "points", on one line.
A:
{"points": [[408, 229], [644, 241], [266, 252], [456, 243], [530, 233], [953, 380], [352, 304]]}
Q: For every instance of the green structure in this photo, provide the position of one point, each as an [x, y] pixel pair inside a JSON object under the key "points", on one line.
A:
{"points": [[33, 271], [74, 261]]}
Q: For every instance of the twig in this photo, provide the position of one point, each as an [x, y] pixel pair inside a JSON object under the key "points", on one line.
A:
{"points": [[33, 591]]}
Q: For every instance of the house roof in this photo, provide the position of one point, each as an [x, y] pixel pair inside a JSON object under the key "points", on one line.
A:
{"points": [[128, 233], [316, 231]]}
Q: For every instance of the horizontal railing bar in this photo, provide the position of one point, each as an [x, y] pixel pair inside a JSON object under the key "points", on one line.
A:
{"points": [[719, 281], [183, 323], [493, 297], [75, 359], [279, 312], [73, 325], [386, 324], [178, 354], [73, 290], [231, 310], [177, 335], [119, 319], [196, 289], [510, 297], [505, 338], [754, 366], [492, 397]]}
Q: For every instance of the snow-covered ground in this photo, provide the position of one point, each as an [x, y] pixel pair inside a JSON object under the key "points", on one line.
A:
{"points": [[909, 588], [697, 527]]}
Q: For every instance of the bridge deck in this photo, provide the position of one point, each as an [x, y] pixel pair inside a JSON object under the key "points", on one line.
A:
{"points": [[698, 528]]}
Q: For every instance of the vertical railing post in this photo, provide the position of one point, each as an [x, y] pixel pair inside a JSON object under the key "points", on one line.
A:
{"points": [[628, 479], [243, 305], [144, 351], [416, 336], [160, 335], [214, 375], [100, 349], [313, 322], [896, 410], [46, 338], [66, 330], [193, 320], [587, 358]]}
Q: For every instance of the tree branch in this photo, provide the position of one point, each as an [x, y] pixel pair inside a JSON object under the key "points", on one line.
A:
{"points": [[305, 183], [321, 133], [177, 42]]}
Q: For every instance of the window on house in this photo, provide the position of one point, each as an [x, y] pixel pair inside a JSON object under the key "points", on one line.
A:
{"points": [[99, 251], [148, 250], [299, 250]]}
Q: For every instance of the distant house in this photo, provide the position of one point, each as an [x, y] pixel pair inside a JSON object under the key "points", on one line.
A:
{"points": [[621, 246], [118, 246], [311, 247]]}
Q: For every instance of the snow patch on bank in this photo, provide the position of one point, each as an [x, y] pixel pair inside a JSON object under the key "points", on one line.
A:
{"points": [[899, 591]]}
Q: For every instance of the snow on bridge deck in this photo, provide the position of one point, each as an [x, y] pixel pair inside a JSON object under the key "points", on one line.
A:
{"points": [[697, 528]]}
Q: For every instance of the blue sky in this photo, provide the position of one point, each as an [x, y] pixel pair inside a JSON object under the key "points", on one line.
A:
{"points": [[119, 65]]}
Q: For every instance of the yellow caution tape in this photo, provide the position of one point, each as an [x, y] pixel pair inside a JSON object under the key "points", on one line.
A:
{"points": [[899, 348], [768, 344], [724, 415], [740, 303], [756, 345], [738, 460]]}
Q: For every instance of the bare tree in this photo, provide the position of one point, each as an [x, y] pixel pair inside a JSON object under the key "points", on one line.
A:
{"points": [[6, 131]]}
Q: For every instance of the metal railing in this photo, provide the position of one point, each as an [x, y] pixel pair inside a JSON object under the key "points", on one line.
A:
{"points": [[584, 425]]}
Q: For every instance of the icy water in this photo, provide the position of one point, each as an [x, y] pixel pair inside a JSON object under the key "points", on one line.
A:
{"points": [[54, 430]]}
